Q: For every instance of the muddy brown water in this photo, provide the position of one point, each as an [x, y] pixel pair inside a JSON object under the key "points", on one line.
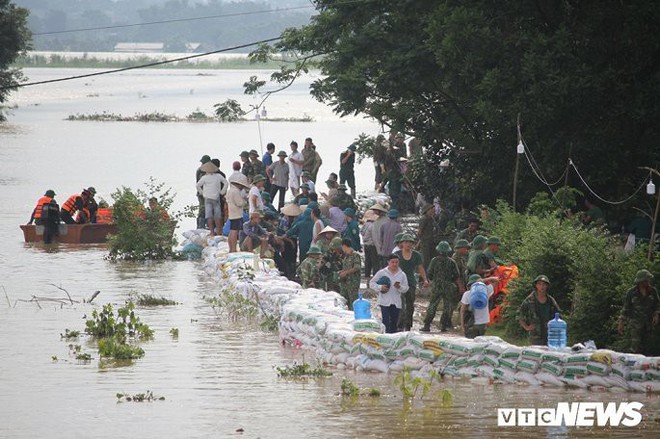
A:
{"points": [[218, 376]]}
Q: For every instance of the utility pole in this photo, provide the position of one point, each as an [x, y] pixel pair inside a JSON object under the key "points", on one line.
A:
{"points": [[515, 173], [655, 214]]}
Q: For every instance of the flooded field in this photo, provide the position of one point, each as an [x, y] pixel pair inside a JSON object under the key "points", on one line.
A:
{"points": [[217, 377]]}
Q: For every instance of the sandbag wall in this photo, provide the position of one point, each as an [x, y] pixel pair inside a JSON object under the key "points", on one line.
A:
{"points": [[320, 321]]}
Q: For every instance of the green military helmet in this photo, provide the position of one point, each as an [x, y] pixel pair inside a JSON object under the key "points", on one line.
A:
{"points": [[341, 187], [479, 241], [304, 186], [473, 278], [443, 247], [50, 193], [350, 212], [407, 237], [397, 237], [462, 243], [306, 174], [282, 154], [254, 152], [257, 178], [643, 275], [314, 250], [493, 240], [335, 244], [265, 196], [543, 278], [245, 154], [205, 158]]}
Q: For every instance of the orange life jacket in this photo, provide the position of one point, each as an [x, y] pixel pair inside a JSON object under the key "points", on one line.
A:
{"points": [[104, 215], [40, 204], [70, 204]]}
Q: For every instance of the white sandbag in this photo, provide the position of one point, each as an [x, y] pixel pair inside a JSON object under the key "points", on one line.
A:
{"points": [[646, 363], [532, 353], [595, 380], [489, 339], [507, 363], [511, 352], [574, 381], [485, 371], [495, 349], [553, 368], [467, 372], [367, 325], [504, 374], [414, 363], [548, 379], [638, 375], [554, 357], [491, 360], [377, 366], [475, 360], [621, 370], [526, 377], [579, 358], [616, 381], [427, 354], [576, 370], [397, 366], [527, 365], [598, 368], [645, 387]]}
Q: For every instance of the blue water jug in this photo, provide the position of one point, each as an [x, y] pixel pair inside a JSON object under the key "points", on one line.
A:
{"points": [[361, 308], [557, 333], [478, 295]]}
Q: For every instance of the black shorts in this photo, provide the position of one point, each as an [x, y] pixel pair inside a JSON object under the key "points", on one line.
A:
{"points": [[236, 224]]}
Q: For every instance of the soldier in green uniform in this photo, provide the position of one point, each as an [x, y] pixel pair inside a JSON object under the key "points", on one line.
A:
{"points": [[641, 311], [446, 282], [308, 270], [257, 165], [352, 231], [537, 310], [470, 233], [247, 168], [426, 234], [341, 199], [349, 276], [331, 265], [491, 252], [478, 262], [460, 256]]}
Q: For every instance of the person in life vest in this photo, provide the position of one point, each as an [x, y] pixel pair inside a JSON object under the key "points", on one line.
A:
{"points": [[104, 214], [46, 214], [90, 204], [76, 203]]}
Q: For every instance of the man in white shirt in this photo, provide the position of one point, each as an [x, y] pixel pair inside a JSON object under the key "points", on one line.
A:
{"points": [[307, 178], [296, 161], [474, 319], [390, 282], [255, 202], [211, 186], [236, 198]]}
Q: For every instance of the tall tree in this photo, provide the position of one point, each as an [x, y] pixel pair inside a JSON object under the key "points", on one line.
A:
{"points": [[583, 75], [14, 41]]}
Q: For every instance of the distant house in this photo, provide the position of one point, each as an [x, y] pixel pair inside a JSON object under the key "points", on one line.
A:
{"points": [[139, 47]]}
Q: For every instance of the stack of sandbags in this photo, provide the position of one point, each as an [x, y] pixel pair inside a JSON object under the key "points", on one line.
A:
{"points": [[319, 321]]}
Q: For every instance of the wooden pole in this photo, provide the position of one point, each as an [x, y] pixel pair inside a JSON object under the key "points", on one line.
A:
{"points": [[655, 214], [515, 172]]}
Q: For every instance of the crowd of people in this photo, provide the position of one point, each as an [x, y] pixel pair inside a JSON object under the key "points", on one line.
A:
{"points": [[319, 239]]}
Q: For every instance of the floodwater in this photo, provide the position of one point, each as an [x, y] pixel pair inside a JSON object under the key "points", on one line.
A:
{"points": [[217, 377]]}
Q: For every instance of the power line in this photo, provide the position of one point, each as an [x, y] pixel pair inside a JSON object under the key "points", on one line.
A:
{"points": [[176, 20], [141, 66], [598, 196]]}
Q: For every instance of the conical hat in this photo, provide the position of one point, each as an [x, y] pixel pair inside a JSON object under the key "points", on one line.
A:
{"points": [[328, 229], [209, 168], [291, 210]]}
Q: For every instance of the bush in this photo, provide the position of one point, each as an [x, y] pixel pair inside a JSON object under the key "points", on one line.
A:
{"points": [[142, 232], [589, 271]]}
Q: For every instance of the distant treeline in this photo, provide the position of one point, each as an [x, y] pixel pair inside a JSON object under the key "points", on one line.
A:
{"points": [[55, 61], [245, 23]]}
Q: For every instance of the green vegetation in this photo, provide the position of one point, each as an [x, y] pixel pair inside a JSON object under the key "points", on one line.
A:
{"points": [[148, 396], [114, 331], [150, 300], [144, 232], [457, 75], [302, 370], [69, 334], [589, 271], [417, 386], [77, 352], [174, 332], [15, 37], [60, 61], [222, 115], [348, 388]]}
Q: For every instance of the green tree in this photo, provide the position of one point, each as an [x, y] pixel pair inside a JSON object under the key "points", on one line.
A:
{"points": [[14, 41], [583, 76]]}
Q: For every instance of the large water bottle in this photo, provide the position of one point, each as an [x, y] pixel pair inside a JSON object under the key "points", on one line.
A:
{"points": [[556, 333], [478, 295], [361, 308]]}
